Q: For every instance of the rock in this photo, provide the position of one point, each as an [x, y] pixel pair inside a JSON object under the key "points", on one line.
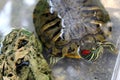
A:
{"points": [[21, 57]]}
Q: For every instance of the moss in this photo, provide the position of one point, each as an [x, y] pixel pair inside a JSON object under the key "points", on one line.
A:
{"points": [[23, 59]]}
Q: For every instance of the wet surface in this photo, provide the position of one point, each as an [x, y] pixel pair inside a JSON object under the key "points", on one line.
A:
{"points": [[14, 15]]}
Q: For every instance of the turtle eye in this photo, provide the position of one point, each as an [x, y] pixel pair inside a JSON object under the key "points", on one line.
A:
{"points": [[85, 52]]}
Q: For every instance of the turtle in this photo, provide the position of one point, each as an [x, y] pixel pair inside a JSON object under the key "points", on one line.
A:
{"points": [[94, 32]]}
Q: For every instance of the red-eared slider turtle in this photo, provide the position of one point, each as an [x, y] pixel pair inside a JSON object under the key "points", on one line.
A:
{"points": [[94, 31]]}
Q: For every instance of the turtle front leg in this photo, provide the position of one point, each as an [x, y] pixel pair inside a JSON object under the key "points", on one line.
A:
{"points": [[110, 46], [55, 56], [71, 51], [54, 60]]}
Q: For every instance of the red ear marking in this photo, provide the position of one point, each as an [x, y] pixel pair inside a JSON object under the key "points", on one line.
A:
{"points": [[85, 52]]}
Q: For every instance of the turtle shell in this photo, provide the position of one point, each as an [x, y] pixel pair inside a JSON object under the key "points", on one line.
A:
{"points": [[94, 27]]}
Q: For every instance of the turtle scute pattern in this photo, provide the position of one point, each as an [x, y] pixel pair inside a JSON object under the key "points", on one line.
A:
{"points": [[92, 33], [21, 57]]}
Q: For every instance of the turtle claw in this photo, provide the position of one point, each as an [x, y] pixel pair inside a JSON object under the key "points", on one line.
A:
{"points": [[54, 60]]}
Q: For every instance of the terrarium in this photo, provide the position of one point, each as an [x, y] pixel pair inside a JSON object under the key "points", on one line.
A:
{"points": [[61, 39]]}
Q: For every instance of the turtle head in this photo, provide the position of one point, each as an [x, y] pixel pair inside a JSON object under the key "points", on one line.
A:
{"points": [[92, 53], [91, 50]]}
